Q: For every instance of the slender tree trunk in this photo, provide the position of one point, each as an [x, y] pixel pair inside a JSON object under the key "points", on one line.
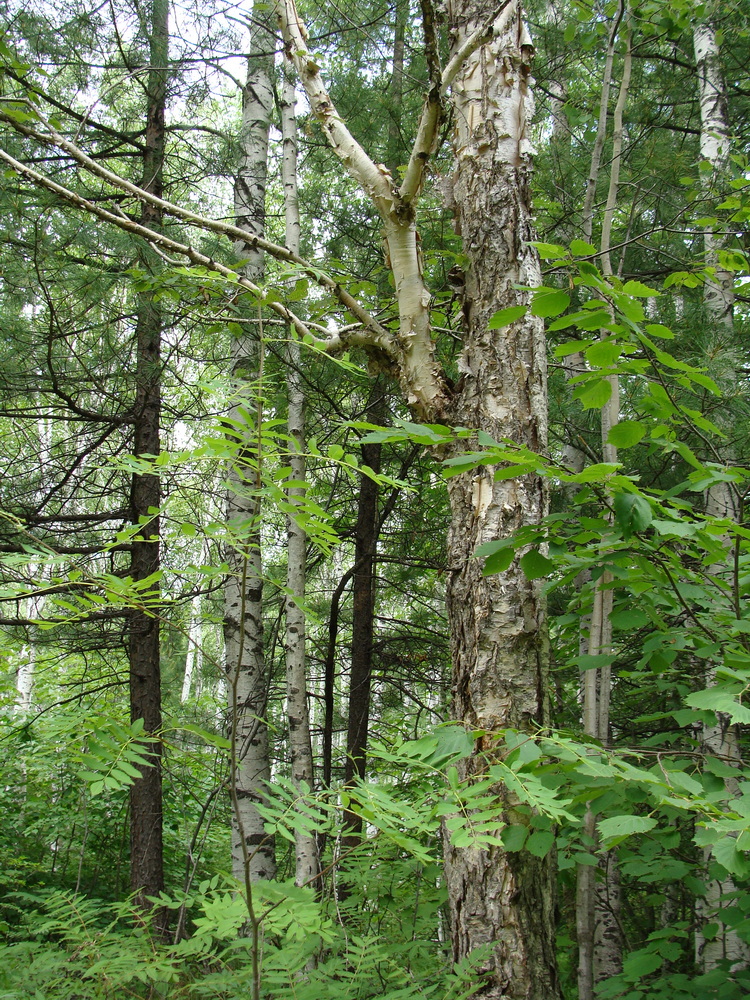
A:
{"points": [[721, 740], [714, 149], [498, 632], [252, 850], [146, 854], [363, 618], [298, 713], [194, 655]]}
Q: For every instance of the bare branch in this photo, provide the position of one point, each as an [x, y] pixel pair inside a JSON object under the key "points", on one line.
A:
{"points": [[378, 335]]}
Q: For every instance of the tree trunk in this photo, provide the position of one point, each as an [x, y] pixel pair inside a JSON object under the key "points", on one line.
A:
{"points": [[721, 740], [252, 851], [498, 633], [497, 623], [363, 612], [298, 713], [146, 855]]}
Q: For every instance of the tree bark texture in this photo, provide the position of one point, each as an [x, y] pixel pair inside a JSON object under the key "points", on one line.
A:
{"points": [[298, 713], [146, 850], [498, 632], [252, 851]]}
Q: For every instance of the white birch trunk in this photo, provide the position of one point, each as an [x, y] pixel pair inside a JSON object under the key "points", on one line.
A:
{"points": [[714, 148], [498, 631], [252, 850], [497, 623], [194, 656], [721, 740], [300, 745]]}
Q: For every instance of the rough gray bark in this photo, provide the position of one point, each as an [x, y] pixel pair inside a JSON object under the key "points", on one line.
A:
{"points": [[252, 850], [363, 618]]}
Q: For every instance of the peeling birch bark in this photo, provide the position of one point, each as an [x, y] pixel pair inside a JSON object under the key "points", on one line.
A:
{"points": [[252, 850], [498, 625], [498, 630]]}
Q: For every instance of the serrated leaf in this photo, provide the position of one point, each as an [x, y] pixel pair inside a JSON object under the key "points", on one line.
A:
{"points": [[593, 394], [535, 565], [550, 251], [659, 330], [506, 316], [603, 353], [514, 837], [626, 433], [719, 700], [499, 562], [540, 842], [549, 302], [625, 826], [581, 249], [638, 289], [632, 513]]}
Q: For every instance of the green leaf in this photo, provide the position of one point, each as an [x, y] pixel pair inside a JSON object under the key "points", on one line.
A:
{"points": [[604, 353], [625, 826], [536, 565], [639, 290], [580, 249], [719, 700], [507, 316], [632, 513], [514, 837], [593, 394], [626, 433], [640, 964], [498, 562], [658, 330], [726, 853], [549, 302], [540, 843], [550, 251]]}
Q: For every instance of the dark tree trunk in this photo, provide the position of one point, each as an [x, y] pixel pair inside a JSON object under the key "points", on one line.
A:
{"points": [[363, 617], [146, 854]]}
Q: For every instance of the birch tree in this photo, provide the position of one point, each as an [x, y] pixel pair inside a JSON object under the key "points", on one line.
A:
{"points": [[252, 850], [722, 499], [298, 715], [497, 623]]}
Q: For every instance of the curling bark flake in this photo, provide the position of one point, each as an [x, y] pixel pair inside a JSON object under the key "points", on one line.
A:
{"points": [[252, 850]]}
